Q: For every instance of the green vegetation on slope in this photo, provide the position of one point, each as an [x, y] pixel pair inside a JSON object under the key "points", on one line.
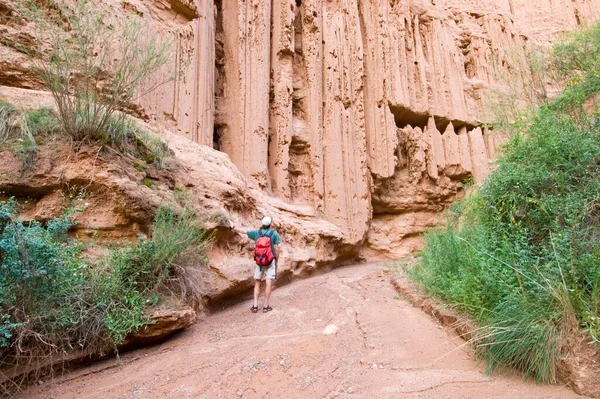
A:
{"points": [[24, 130], [522, 255], [94, 64], [54, 300]]}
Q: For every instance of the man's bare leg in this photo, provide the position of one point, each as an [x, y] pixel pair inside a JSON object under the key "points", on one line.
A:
{"points": [[257, 291], [268, 292]]}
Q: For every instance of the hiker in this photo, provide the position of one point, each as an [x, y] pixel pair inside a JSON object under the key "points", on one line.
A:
{"points": [[266, 255]]}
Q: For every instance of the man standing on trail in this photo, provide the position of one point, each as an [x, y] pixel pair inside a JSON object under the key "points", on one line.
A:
{"points": [[266, 257]]}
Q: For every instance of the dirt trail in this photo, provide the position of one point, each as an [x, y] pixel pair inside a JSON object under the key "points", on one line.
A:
{"points": [[384, 348]]}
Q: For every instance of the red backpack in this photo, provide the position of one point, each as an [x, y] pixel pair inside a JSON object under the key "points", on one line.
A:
{"points": [[263, 252]]}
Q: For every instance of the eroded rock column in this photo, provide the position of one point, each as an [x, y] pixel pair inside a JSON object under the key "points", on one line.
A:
{"points": [[245, 103], [282, 78], [205, 72], [180, 95], [346, 184], [309, 91], [381, 72]]}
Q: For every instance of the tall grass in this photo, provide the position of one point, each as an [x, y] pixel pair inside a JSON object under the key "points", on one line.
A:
{"points": [[522, 254], [7, 111], [20, 128], [91, 62]]}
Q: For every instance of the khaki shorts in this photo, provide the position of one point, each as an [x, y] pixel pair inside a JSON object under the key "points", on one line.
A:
{"points": [[262, 273]]}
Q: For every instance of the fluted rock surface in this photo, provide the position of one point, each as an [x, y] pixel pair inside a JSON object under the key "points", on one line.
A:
{"points": [[368, 111], [360, 90]]}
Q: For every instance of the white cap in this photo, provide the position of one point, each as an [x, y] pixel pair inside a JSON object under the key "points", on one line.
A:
{"points": [[266, 221]]}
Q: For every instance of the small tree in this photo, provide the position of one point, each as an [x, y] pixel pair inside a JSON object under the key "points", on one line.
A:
{"points": [[91, 62], [521, 87], [576, 55]]}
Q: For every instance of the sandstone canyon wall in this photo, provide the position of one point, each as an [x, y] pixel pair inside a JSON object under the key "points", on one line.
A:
{"points": [[369, 112]]}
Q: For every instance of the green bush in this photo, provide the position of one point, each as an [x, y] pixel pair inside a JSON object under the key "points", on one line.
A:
{"points": [[138, 271], [54, 300], [41, 275], [522, 255]]}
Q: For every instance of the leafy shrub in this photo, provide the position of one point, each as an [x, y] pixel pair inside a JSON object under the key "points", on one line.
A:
{"points": [[53, 300], [94, 65], [23, 129], [138, 271], [522, 255], [41, 274]]}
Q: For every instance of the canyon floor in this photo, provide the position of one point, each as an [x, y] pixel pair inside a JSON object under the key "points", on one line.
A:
{"points": [[383, 348]]}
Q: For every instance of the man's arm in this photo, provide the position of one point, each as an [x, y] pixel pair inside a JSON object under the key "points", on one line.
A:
{"points": [[277, 245], [251, 234], [238, 230]]}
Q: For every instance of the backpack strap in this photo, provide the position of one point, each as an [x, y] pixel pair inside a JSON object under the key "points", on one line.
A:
{"points": [[269, 233]]}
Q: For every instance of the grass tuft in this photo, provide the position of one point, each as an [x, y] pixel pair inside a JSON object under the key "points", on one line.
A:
{"points": [[7, 111]]}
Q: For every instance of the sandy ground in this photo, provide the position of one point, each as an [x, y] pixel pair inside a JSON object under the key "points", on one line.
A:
{"points": [[383, 348]]}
